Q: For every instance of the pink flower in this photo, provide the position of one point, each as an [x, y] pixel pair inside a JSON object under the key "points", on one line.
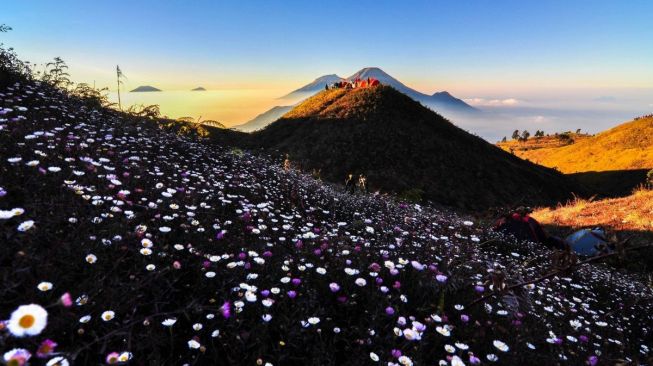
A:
{"points": [[112, 358], [46, 348], [17, 356], [66, 300], [176, 265]]}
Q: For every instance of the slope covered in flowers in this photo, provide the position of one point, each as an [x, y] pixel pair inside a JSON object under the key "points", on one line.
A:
{"points": [[151, 248]]}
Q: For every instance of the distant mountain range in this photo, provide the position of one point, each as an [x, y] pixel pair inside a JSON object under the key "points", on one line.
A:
{"points": [[145, 88], [442, 102], [199, 88], [264, 118]]}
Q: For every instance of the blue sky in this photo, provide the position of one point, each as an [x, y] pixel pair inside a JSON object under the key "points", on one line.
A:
{"points": [[554, 43], [475, 49]]}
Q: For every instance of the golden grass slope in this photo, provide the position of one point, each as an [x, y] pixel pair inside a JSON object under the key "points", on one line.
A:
{"points": [[634, 212], [625, 147], [545, 142]]}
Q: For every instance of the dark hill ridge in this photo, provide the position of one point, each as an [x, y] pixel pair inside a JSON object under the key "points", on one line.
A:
{"points": [[400, 145]]}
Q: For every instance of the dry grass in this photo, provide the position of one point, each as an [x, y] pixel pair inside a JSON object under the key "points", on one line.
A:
{"points": [[625, 147], [632, 213], [544, 142]]}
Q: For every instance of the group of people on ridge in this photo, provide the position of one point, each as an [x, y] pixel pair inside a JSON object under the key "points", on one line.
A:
{"points": [[357, 83], [352, 184]]}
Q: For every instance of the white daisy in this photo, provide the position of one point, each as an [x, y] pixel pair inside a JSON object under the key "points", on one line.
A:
{"points": [[58, 361], [501, 346], [27, 320], [169, 322], [44, 286], [26, 225], [108, 315]]}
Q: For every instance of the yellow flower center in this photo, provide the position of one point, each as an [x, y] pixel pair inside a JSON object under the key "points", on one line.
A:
{"points": [[26, 321]]}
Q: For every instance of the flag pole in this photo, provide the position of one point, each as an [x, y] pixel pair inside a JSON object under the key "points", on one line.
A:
{"points": [[118, 77]]}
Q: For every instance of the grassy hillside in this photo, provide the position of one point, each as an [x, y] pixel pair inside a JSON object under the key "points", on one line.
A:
{"points": [[518, 147], [625, 147], [634, 212], [402, 146]]}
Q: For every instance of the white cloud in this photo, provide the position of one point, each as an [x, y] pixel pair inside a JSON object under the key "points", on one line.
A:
{"points": [[508, 102]]}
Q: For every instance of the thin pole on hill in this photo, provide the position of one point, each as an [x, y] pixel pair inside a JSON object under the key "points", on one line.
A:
{"points": [[119, 74]]}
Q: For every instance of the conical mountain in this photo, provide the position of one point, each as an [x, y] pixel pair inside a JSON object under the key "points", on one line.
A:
{"points": [[440, 101], [313, 87], [404, 147]]}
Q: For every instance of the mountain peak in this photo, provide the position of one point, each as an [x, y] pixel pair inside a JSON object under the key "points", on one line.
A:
{"points": [[373, 72]]}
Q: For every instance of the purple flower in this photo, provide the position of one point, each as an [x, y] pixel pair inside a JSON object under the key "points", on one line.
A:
{"points": [[334, 287], [46, 348], [296, 281], [464, 318], [265, 293], [267, 254], [292, 294], [389, 310], [592, 360], [225, 309], [396, 353], [583, 338], [441, 278], [3, 192], [220, 234], [479, 288], [474, 360]]}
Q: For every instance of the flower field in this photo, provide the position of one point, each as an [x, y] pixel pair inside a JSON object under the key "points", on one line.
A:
{"points": [[122, 243]]}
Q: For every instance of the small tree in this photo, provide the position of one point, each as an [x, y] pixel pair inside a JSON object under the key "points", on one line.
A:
{"points": [[525, 135], [578, 131], [515, 135], [56, 73]]}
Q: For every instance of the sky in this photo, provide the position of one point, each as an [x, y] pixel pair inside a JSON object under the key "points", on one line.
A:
{"points": [[494, 54]]}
